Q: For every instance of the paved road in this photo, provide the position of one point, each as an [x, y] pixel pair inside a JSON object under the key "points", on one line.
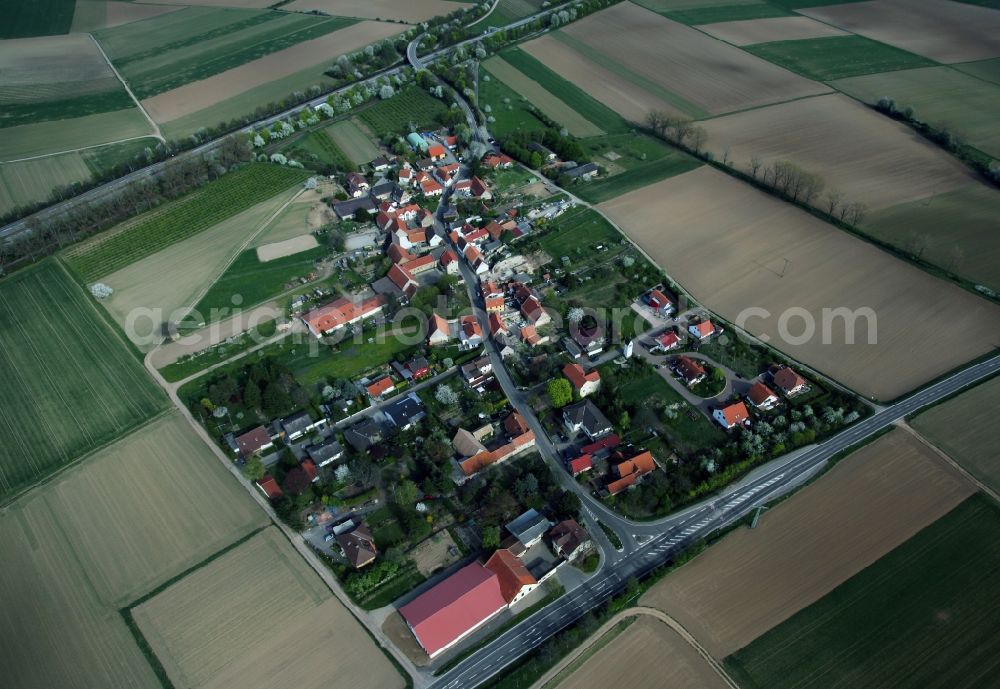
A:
{"points": [[674, 534]]}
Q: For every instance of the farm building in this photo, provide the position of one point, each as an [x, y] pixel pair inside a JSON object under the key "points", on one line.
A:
{"points": [[343, 311]]}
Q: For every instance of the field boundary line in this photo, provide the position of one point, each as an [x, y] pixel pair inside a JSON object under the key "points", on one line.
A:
{"points": [[674, 625], [903, 425], [156, 128]]}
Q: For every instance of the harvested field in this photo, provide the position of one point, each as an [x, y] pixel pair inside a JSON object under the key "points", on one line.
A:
{"points": [[197, 95], [43, 138], [349, 138], [413, 11], [869, 157], [752, 31], [167, 284], [543, 99], [31, 181], [734, 248], [646, 48], [647, 649], [963, 428], [288, 247], [806, 546], [942, 96], [432, 554], [196, 341], [943, 31], [70, 385], [259, 617], [922, 616]]}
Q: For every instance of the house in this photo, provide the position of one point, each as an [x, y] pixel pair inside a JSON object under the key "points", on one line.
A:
{"points": [[449, 262], [585, 416], [481, 460], [431, 187], [380, 164], [667, 341], [496, 161], [467, 444], [479, 190], [494, 304], [630, 471], [450, 141], [347, 210], [309, 468], [385, 190], [690, 370], [358, 546], [534, 313], [529, 528], [363, 435], [446, 173], [659, 302], [516, 581], [436, 152], [253, 441], [418, 367], [406, 411], [469, 332], [761, 396], [606, 443], [546, 153], [732, 415], [357, 185], [478, 371], [297, 425], [584, 382], [515, 425], [269, 487], [454, 608], [569, 539], [326, 452], [702, 331], [789, 382], [439, 331], [580, 464], [497, 327], [398, 254], [530, 336], [342, 312], [403, 280], [584, 172], [406, 175], [380, 387], [590, 340]]}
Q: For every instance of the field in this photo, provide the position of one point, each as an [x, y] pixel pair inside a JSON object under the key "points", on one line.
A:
{"points": [[411, 108], [679, 66], [413, 11], [288, 247], [837, 57], [807, 545], [157, 229], [724, 11], [70, 385], [167, 284], [42, 138], [508, 11], [166, 52], [922, 616], [318, 147], [259, 617], [349, 138], [755, 30], [92, 15], [306, 213], [643, 160], [733, 247], [194, 96], [510, 111], [547, 102], [35, 18], [943, 31], [646, 649], [987, 70], [130, 517], [865, 155], [963, 428], [33, 180], [941, 96]]}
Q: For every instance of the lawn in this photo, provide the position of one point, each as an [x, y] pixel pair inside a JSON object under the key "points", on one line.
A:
{"points": [[355, 144], [251, 282], [837, 57], [22, 18], [510, 111], [318, 147], [411, 108], [643, 160], [176, 220], [576, 234], [70, 384], [923, 615]]}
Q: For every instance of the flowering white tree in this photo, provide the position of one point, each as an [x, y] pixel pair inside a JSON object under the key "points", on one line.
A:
{"points": [[386, 92], [342, 473], [279, 159], [258, 140], [575, 315], [446, 396], [100, 290]]}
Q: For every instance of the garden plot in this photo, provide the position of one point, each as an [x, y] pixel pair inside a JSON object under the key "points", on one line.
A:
{"points": [[349, 138]]}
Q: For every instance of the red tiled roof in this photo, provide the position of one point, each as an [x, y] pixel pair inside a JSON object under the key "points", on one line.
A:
{"points": [[658, 298], [578, 377], [581, 464], [616, 487], [606, 443], [400, 276], [735, 414], [760, 393], [380, 386], [270, 487], [398, 254], [494, 303], [532, 309], [454, 607], [470, 326], [689, 368], [496, 324], [439, 324], [668, 339], [421, 263], [447, 257], [477, 234], [472, 254], [253, 440], [641, 464], [515, 424], [342, 311], [481, 460], [788, 380], [511, 573], [435, 150], [530, 335], [309, 467], [704, 329]]}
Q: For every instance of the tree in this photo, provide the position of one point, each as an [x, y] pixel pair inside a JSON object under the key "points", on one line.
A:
{"points": [[296, 482], [535, 160], [526, 488], [254, 468], [275, 400], [446, 396], [624, 421], [405, 493], [560, 392], [491, 537], [575, 315], [362, 470], [251, 395]]}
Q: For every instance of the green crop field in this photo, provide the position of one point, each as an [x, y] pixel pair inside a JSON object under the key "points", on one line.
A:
{"points": [[24, 18], [254, 281], [922, 617], [165, 52], [726, 13], [975, 446], [31, 181], [837, 57], [355, 144], [508, 11], [987, 70], [64, 109], [180, 219], [69, 383], [511, 112], [411, 108], [643, 160], [56, 136], [317, 147]]}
